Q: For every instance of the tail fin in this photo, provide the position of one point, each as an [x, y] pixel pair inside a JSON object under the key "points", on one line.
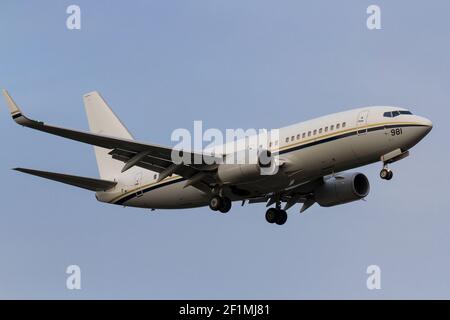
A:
{"points": [[102, 120]]}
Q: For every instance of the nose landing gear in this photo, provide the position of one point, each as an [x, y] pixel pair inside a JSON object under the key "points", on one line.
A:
{"points": [[393, 156]]}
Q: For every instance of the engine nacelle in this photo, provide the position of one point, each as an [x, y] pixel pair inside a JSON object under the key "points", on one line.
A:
{"points": [[343, 188], [238, 173], [259, 165]]}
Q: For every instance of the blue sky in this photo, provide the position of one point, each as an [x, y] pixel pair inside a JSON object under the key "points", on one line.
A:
{"points": [[232, 64]]}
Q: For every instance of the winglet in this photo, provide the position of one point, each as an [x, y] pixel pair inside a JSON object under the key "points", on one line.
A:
{"points": [[13, 108]]}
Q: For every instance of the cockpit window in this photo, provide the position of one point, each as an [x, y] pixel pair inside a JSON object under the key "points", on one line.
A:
{"points": [[392, 114]]}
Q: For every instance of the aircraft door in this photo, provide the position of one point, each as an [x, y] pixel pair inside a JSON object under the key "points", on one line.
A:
{"points": [[361, 122]]}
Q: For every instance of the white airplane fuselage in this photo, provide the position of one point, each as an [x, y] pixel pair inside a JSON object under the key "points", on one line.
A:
{"points": [[310, 150]]}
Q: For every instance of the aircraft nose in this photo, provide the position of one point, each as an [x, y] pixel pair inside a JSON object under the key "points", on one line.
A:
{"points": [[427, 122]]}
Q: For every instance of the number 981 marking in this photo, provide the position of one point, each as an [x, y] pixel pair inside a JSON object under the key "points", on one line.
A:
{"points": [[396, 132]]}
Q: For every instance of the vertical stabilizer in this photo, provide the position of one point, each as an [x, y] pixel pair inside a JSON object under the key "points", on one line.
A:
{"points": [[102, 120]]}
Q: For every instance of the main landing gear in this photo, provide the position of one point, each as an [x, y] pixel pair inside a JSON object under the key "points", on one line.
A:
{"points": [[222, 204], [276, 215], [386, 174]]}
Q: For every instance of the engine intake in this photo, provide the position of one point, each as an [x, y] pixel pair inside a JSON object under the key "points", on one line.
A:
{"points": [[344, 188]]}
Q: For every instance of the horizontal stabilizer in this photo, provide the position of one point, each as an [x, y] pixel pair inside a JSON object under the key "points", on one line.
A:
{"points": [[81, 182]]}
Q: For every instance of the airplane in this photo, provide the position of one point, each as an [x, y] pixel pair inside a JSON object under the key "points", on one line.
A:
{"points": [[311, 158]]}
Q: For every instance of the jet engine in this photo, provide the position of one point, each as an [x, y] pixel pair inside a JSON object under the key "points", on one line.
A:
{"points": [[241, 173], [343, 188]]}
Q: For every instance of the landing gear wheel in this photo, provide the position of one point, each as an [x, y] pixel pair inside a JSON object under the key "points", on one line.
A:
{"points": [[281, 217], [226, 205], [271, 215], [390, 175], [215, 203], [277, 216], [386, 174]]}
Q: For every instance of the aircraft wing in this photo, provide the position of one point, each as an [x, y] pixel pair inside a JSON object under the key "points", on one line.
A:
{"points": [[150, 156]]}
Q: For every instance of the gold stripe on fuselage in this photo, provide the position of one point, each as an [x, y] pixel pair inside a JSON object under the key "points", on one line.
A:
{"points": [[341, 132], [144, 187]]}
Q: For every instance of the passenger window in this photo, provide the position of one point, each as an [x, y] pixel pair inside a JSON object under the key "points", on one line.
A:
{"points": [[343, 124], [315, 131], [303, 135], [326, 129], [320, 130], [298, 136], [338, 126], [309, 133], [287, 139], [154, 176], [332, 127], [292, 138]]}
